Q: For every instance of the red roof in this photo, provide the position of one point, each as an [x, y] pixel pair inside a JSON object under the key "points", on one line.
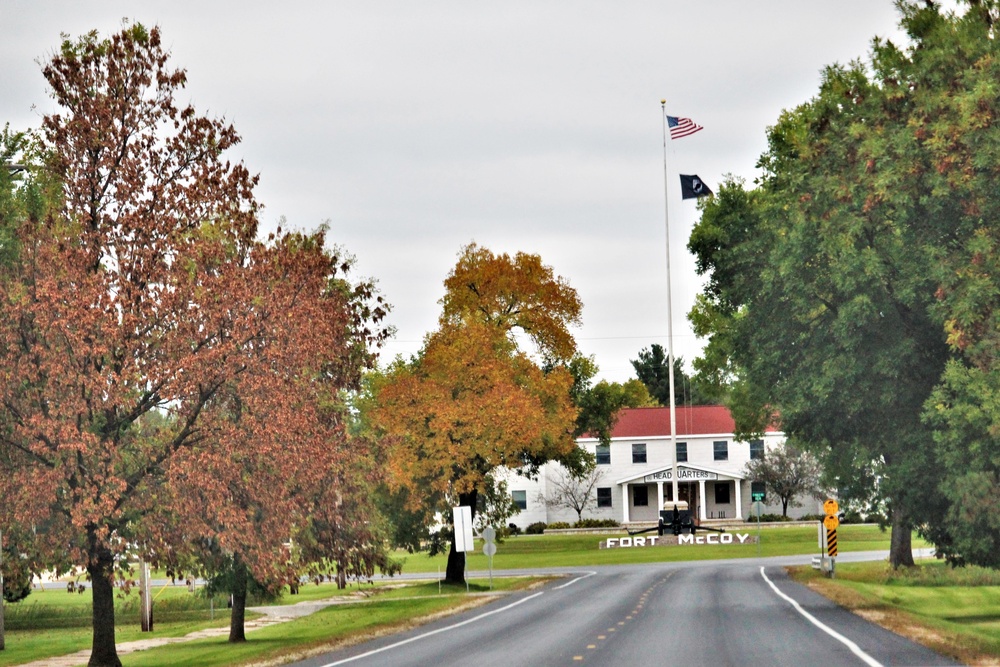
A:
{"points": [[691, 420]]}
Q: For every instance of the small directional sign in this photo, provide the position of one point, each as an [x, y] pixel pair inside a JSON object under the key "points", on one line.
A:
{"points": [[831, 521]]}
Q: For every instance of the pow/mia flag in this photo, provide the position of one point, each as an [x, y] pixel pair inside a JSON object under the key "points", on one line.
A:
{"points": [[693, 187]]}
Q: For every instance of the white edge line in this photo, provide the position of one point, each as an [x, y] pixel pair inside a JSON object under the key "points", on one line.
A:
{"points": [[570, 583], [431, 633], [855, 649]]}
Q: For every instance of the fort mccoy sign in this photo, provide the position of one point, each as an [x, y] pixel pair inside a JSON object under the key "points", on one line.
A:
{"points": [[677, 540]]}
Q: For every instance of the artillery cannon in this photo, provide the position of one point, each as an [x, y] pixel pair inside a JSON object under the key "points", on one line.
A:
{"points": [[675, 522]]}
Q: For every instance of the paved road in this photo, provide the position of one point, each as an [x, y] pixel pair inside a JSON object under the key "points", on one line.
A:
{"points": [[742, 613]]}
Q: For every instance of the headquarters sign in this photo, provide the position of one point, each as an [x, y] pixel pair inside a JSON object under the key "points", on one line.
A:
{"points": [[683, 475]]}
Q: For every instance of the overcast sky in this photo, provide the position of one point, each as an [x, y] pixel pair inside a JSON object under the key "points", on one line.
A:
{"points": [[414, 128]]}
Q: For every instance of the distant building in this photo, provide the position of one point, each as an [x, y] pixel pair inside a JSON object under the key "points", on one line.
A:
{"points": [[636, 470]]}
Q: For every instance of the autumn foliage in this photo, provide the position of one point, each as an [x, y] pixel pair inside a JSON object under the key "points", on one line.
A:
{"points": [[164, 375], [473, 400]]}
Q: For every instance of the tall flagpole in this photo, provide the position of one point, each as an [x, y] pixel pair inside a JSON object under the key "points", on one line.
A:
{"points": [[670, 313]]}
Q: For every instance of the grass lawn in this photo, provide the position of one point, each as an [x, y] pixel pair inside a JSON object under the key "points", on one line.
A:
{"points": [[537, 551], [953, 611], [390, 611], [53, 622]]}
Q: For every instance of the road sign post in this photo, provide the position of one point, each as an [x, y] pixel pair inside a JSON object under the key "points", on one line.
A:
{"points": [[830, 523], [489, 548], [757, 505]]}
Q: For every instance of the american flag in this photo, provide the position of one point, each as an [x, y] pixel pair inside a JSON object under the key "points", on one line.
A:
{"points": [[682, 127]]}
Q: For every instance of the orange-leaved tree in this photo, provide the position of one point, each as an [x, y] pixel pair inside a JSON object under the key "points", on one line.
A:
{"points": [[473, 400], [143, 292]]}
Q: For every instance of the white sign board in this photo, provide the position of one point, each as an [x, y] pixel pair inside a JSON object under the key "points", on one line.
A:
{"points": [[463, 528], [683, 475]]}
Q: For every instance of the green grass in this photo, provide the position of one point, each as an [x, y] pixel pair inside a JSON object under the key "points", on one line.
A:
{"points": [[324, 629], [53, 622], [69, 614], [539, 551], [955, 611]]}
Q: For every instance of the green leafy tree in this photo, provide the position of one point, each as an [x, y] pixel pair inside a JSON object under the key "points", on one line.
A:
{"points": [[652, 368], [825, 280], [599, 404], [496, 507]]}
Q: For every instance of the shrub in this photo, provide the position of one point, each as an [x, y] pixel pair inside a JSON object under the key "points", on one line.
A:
{"points": [[556, 525], [768, 517], [511, 529], [596, 523], [536, 528]]}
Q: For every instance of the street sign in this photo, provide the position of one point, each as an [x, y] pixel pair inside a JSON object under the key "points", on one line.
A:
{"points": [[758, 508], [490, 547], [831, 543], [758, 497], [462, 516], [831, 522], [830, 506]]}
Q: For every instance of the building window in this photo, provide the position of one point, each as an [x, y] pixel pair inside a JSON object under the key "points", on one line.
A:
{"points": [[640, 496], [721, 450], [682, 452], [722, 493], [603, 453], [604, 496], [756, 449], [758, 490], [638, 453], [520, 499]]}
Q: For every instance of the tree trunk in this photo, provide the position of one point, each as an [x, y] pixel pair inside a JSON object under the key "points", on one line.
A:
{"points": [[784, 507], [100, 567], [900, 540], [237, 632], [455, 571]]}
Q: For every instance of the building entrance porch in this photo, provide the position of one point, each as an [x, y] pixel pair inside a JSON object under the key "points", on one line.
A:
{"points": [[710, 494]]}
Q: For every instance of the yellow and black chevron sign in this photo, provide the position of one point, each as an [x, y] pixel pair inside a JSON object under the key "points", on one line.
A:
{"points": [[831, 542]]}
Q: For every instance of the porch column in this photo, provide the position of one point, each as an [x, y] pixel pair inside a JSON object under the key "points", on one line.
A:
{"points": [[739, 498], [703, 500], [625, 518], [659, 496]]}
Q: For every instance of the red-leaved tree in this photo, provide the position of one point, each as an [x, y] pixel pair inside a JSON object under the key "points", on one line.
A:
{"points": [[164, 375]]}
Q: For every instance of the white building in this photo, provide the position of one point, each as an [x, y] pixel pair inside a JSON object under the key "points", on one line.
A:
{"points": [[636, 470]]}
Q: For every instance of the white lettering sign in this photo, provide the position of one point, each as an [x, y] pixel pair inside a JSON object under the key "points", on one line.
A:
{"points": [[650, 541], [683, 475]]}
